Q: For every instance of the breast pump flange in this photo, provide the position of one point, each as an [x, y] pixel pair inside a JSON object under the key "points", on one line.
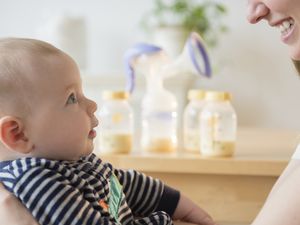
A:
{"points": [[159, 106]]}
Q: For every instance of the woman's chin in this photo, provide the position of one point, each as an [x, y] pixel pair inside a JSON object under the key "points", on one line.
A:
{"points": [[295, 57], [295, 53]]}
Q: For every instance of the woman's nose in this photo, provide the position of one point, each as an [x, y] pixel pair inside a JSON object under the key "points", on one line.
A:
{"points": [[256, 11]]}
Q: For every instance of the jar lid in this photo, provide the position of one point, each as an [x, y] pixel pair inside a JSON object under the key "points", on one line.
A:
{"points": [[217, 96], [115, 95], [196, 94]]}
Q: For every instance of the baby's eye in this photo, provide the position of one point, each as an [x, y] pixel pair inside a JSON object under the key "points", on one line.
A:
{"points": [[72, 99]]}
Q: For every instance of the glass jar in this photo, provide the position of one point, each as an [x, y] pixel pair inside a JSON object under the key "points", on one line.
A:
{"points": [[191, 129], [116, 123], [159, 122], [218, 125]]}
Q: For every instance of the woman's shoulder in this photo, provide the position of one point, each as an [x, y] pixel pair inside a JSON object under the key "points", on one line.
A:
{"points": [[296, 154]]}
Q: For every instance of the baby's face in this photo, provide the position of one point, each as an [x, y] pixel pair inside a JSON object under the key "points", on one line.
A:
{"points": [[62, 120]]}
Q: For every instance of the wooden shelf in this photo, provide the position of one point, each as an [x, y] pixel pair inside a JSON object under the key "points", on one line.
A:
{"points": [[259, 152]]}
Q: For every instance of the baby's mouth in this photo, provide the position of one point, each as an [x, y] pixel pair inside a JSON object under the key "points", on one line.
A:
{"points": [[92, 134]]}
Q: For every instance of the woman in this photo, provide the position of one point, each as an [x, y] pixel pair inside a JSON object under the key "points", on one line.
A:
{"points": [[12, 211], [283, 204]]}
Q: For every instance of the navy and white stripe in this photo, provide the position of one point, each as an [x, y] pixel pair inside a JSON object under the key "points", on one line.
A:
{"points": [[65, 193]]}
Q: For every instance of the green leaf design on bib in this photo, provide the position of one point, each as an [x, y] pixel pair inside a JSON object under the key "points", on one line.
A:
{"points": [[115, 196]]}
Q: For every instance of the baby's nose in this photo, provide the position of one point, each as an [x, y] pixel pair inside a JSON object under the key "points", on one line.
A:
{"points": [[91, 106]]}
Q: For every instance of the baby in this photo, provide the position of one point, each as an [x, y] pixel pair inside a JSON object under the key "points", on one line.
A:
{"points": [[46, 142]]}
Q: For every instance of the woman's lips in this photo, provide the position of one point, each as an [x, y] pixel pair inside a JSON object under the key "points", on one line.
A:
{"points": [[286, 28], [286, 37]]}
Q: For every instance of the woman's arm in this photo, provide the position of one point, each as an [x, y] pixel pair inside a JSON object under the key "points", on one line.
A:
{"points": [[283, 204], [12, 212]]}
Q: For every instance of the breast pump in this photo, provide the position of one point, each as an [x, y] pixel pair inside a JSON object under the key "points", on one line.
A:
{"points": [[159, 106]]}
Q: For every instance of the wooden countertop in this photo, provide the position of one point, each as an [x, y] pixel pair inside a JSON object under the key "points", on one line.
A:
{"points": [[262, 152]]}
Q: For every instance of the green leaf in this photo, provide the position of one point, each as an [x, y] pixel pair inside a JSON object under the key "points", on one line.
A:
{"points": [[205, 17]]}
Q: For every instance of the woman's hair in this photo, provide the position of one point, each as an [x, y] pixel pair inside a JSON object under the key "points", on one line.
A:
{"points": [[297, 66]]}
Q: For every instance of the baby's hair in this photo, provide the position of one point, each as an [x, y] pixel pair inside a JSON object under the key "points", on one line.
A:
{"points": [[18, 58]]}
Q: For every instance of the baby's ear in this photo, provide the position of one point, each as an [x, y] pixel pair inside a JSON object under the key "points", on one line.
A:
{"points": [[12, 135]]}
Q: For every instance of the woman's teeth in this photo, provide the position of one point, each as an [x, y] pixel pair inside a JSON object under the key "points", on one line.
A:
{"points": [[286, 26]]}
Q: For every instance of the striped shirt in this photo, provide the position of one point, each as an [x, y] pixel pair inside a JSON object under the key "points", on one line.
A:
{"points": [[87, 192]]}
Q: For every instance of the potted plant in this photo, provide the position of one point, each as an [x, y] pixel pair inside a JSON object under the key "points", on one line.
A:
{"points": [[173, 20]]}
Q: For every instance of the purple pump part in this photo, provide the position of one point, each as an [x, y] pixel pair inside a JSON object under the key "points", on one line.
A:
{"points": [[130, 55], [200, 47], [144, 48]]}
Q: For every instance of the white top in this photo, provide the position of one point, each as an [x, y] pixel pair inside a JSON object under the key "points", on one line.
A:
{"points": [[296, 154]]}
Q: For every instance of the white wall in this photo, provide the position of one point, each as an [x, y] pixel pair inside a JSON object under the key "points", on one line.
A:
{"points": [[252, 63], [256, 68]]}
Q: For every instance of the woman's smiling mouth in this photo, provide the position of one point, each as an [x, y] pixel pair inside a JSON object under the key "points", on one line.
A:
{"points": [[286, 28]]}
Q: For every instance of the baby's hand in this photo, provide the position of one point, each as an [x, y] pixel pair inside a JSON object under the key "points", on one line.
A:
{"points": [[188, 211], [12, 212]]}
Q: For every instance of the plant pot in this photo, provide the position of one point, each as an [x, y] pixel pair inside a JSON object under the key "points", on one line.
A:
{"points": [[170, 38]]}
